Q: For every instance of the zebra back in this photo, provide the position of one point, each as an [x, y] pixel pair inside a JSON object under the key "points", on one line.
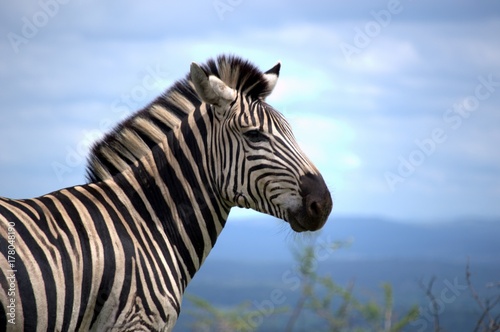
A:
{"points": [[137, 135]]}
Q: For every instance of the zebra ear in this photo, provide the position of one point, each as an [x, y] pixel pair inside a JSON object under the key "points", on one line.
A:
{"points": [[210, 88], [271, 77]]}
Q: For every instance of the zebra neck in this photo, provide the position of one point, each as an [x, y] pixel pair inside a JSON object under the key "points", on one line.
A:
{"points": [[171, 193]]}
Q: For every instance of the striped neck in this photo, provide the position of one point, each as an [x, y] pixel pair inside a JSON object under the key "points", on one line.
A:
{"points": [[173, 193]]}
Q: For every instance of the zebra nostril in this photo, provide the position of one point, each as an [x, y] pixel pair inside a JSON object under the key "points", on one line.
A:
{"points": [[314, 208]]}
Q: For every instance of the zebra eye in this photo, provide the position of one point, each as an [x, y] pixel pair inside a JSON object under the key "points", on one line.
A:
{"points": [[255, 136]]}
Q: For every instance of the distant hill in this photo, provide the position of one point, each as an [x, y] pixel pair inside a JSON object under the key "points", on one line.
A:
{"points": [[253, 257], [266, 239]]}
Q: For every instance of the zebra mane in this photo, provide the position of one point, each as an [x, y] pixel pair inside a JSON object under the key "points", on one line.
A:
{"points": [[135, 136]]}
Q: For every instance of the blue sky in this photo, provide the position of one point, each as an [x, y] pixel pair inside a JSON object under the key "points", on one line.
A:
{"points": [[397, 102]]}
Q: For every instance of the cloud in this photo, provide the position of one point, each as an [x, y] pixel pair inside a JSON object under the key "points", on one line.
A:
{"points": [[353, 118], [329, 143]]}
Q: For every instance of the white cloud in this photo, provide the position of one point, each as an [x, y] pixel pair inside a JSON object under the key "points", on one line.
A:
{"points": [[300, 84], [329, 143], [352, 119], [388, 56]]}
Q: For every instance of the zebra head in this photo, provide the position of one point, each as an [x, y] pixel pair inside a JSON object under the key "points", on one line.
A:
{"points": [[256, 160]]}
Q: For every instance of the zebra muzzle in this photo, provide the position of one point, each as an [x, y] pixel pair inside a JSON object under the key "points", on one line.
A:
{"points": [[316, 204]]}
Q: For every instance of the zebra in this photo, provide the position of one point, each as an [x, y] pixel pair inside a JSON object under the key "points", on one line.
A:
{"points": [[117, 252]]}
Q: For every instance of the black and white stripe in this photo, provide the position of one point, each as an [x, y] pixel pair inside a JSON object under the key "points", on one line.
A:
{"points": [[117, 253]]}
